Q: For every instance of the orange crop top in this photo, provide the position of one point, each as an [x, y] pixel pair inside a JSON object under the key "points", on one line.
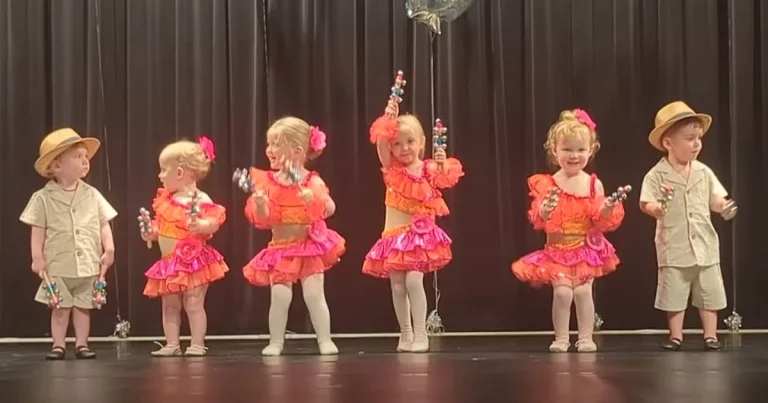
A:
{"points": [[574, 215], [285, 205], [171, 216], [420, 194]]}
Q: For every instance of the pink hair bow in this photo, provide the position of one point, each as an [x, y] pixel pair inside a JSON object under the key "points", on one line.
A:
{"points": [[316, 138], [207, 145], [584, 117]]}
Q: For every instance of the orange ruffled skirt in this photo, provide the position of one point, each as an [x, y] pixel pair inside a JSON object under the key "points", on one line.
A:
{"points": [[418, 246], [292, 261], [577, 261], [187, 267]]}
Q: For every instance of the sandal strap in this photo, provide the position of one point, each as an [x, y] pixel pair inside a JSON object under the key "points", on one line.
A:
{"points": [[675, 340], [82, 348], [58, 348]]}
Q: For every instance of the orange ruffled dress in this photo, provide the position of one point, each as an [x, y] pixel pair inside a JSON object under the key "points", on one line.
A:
{"points": [[420, 245], [292, 260], [586, 254], [193, 262]]}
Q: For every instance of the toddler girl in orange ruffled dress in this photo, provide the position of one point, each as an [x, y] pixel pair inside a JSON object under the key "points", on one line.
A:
{"points": [[293, 203], [572, 209], [185, 219], [411, 244]]}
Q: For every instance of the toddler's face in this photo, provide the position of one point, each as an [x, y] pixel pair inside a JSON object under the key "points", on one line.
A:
{"points": [[72, 164], [684, 144], [407, 146], [572, 153]]}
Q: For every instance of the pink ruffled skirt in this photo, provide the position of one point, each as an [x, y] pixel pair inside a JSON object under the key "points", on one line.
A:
{"points": [[580, 262], [191, 264], [292, 261], [418, 246]]}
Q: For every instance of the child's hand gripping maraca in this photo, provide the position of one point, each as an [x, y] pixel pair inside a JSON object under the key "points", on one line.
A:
{"points": [[439, 142], [51, 291], [100, 293], [292, 173], [549, 203], [145, 226], [616, 197], [242, 179], [396, 95]]}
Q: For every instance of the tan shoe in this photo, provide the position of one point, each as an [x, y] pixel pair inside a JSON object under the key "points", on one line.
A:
{"points": [[167, 351], [196, 351]]}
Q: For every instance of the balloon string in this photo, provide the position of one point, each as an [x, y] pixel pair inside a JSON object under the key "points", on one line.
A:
{"points": [[432, 89], [103, 105]]}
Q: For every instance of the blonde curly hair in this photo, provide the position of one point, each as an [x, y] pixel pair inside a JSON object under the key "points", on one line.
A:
{"points": [[293, 131], [568, 125], [188, 155]]}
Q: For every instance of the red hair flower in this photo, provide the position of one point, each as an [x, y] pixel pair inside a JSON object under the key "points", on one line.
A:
{"points": [[207, 145], [316, 138], [584, 117]]}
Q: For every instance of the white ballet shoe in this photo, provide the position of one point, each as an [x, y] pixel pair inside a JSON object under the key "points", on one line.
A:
{"points": [[586, 346], [273, 349], [327, 348], [559, 346], [420, 344], [405, 343]]}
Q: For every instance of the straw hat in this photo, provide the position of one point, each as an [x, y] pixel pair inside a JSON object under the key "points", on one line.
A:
{"points": [[59, 141], [669, 115]]}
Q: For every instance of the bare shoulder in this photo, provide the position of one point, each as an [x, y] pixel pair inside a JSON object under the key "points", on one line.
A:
{"points": [[316, 180], [204, 197]]}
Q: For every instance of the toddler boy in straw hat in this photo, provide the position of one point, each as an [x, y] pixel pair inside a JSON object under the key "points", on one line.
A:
{"points": [[71, 240], [679, 192]]}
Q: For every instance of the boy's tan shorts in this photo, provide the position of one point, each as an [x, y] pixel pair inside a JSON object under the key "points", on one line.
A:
{"points": [[77, 292], [705, 284]]}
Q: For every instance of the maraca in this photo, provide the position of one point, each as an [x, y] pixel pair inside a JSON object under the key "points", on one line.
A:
{"points": [[550, 200], [397, 88], [667, 192], [99, 293], [194, 204], [242, 179], [54, 297], [619, 195], [145, 224], [439, 138]]}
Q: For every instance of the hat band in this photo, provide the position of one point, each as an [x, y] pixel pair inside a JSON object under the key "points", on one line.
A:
{"points": [[680, 115], [70, 140]]}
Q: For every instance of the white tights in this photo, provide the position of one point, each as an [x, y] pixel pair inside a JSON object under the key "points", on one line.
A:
{"points": [[314, 297], [564, 293], [410, 300]]}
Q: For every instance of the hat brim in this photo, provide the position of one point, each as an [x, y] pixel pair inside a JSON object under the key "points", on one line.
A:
{"points": [[655, 136], [44, 162]]}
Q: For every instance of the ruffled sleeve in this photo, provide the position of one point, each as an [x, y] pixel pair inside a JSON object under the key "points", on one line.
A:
{"points": [[538, 186], [612, 221], [260, 180], [215, 213], [383, 127], [316, 209], [446, 176]]}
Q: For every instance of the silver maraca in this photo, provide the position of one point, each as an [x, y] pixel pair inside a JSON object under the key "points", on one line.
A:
{"points": [[242, 179]]}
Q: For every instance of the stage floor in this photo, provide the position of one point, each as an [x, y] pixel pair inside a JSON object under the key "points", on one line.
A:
{"points": [[467, 369]]}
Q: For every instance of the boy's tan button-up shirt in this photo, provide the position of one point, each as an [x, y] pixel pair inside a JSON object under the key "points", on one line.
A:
{"points": [[72, 222], [685, 237]]}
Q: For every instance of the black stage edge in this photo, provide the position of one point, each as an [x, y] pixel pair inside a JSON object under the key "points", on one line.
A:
{"points": [[458, 369]]}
